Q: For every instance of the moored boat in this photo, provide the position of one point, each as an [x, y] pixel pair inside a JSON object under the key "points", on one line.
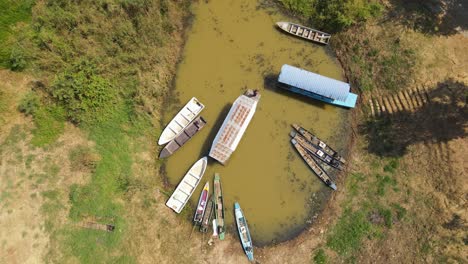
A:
{"points": [[316, 86], [244, 232], [202, 202], [234, 126], [314, 140], [316, 151], [313, 164], [305, 32], [181, 120], [219, 207], [187, 186], [183, 137], [207, 216]]}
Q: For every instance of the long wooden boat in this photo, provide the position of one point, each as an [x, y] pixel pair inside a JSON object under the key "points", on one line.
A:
{"points": [[197, 219], [187, 186], [183, 137], [181, 120], [305, 32], [234, 126], [207, 216], [219, 207], [244, 232], [319, 143], [313, 164], [316, 151]]}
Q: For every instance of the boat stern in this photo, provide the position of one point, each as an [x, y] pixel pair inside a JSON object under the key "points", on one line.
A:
{"points": [[250, 256], [292, 134]]}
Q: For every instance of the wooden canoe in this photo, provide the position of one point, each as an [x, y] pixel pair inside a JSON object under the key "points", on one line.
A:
{"points": [[219, 207], [197, 219], [234, 126], [183, 137], [313, 164], [181, 120], [187, 186], [316, 151], [319, 143], [244, 232], [207, 217], [305, 32]]}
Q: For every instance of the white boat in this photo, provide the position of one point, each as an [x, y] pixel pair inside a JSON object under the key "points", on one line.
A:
{"points": [[187, 186], [181, 120], [305, 32], [234, 126]]}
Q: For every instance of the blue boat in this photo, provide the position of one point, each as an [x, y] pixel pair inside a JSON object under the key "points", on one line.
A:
{"points": [[316, 86], [244, 233]]}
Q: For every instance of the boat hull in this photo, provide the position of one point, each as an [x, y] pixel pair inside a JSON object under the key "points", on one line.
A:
{"points": [[314, 140], [313, 164], [234, 126], [181, 121], [243, 230], [187, 186], [202, 202], [207, 216], [305, 32], [316, 151], [189, 132], [219, 207]]}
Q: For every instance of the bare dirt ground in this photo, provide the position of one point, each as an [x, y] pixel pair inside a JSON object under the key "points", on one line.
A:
{"points": [[27, 175]]}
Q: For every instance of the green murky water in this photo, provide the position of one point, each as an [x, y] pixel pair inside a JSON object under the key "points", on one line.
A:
{"points": [[234, 45]]}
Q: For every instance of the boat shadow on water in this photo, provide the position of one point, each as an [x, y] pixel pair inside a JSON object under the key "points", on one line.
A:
{"points": [[214, 130], [270, 83]]}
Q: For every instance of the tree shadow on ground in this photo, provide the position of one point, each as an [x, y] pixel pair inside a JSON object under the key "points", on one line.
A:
{"points": [[443, 119], [437, 17]]}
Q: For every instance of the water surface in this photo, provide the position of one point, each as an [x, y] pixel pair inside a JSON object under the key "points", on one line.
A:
{"points": [[232, 46]]}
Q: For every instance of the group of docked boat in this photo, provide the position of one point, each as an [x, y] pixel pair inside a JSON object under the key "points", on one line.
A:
{"points": [[209, 212], [316, 152], [210, 208]]}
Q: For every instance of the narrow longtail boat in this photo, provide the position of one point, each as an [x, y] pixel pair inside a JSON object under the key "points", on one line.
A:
{"points": [[219, 207], [206, 220], [313, 164], [316, 151], [234, 126], [202, 202], [183, 137], [305, 32], [244, 232], [187, 186], [181, 121], [319, 143]]}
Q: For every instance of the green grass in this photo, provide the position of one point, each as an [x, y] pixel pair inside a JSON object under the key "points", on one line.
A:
{"points": [[382, 182], [11, 13], [347, 235], [320, 257], [49, 123], [98, 199]]}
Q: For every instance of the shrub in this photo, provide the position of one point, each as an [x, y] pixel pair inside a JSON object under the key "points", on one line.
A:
{"points": [[29, 104], [334, 15], [83, 92], [17, 59]]}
